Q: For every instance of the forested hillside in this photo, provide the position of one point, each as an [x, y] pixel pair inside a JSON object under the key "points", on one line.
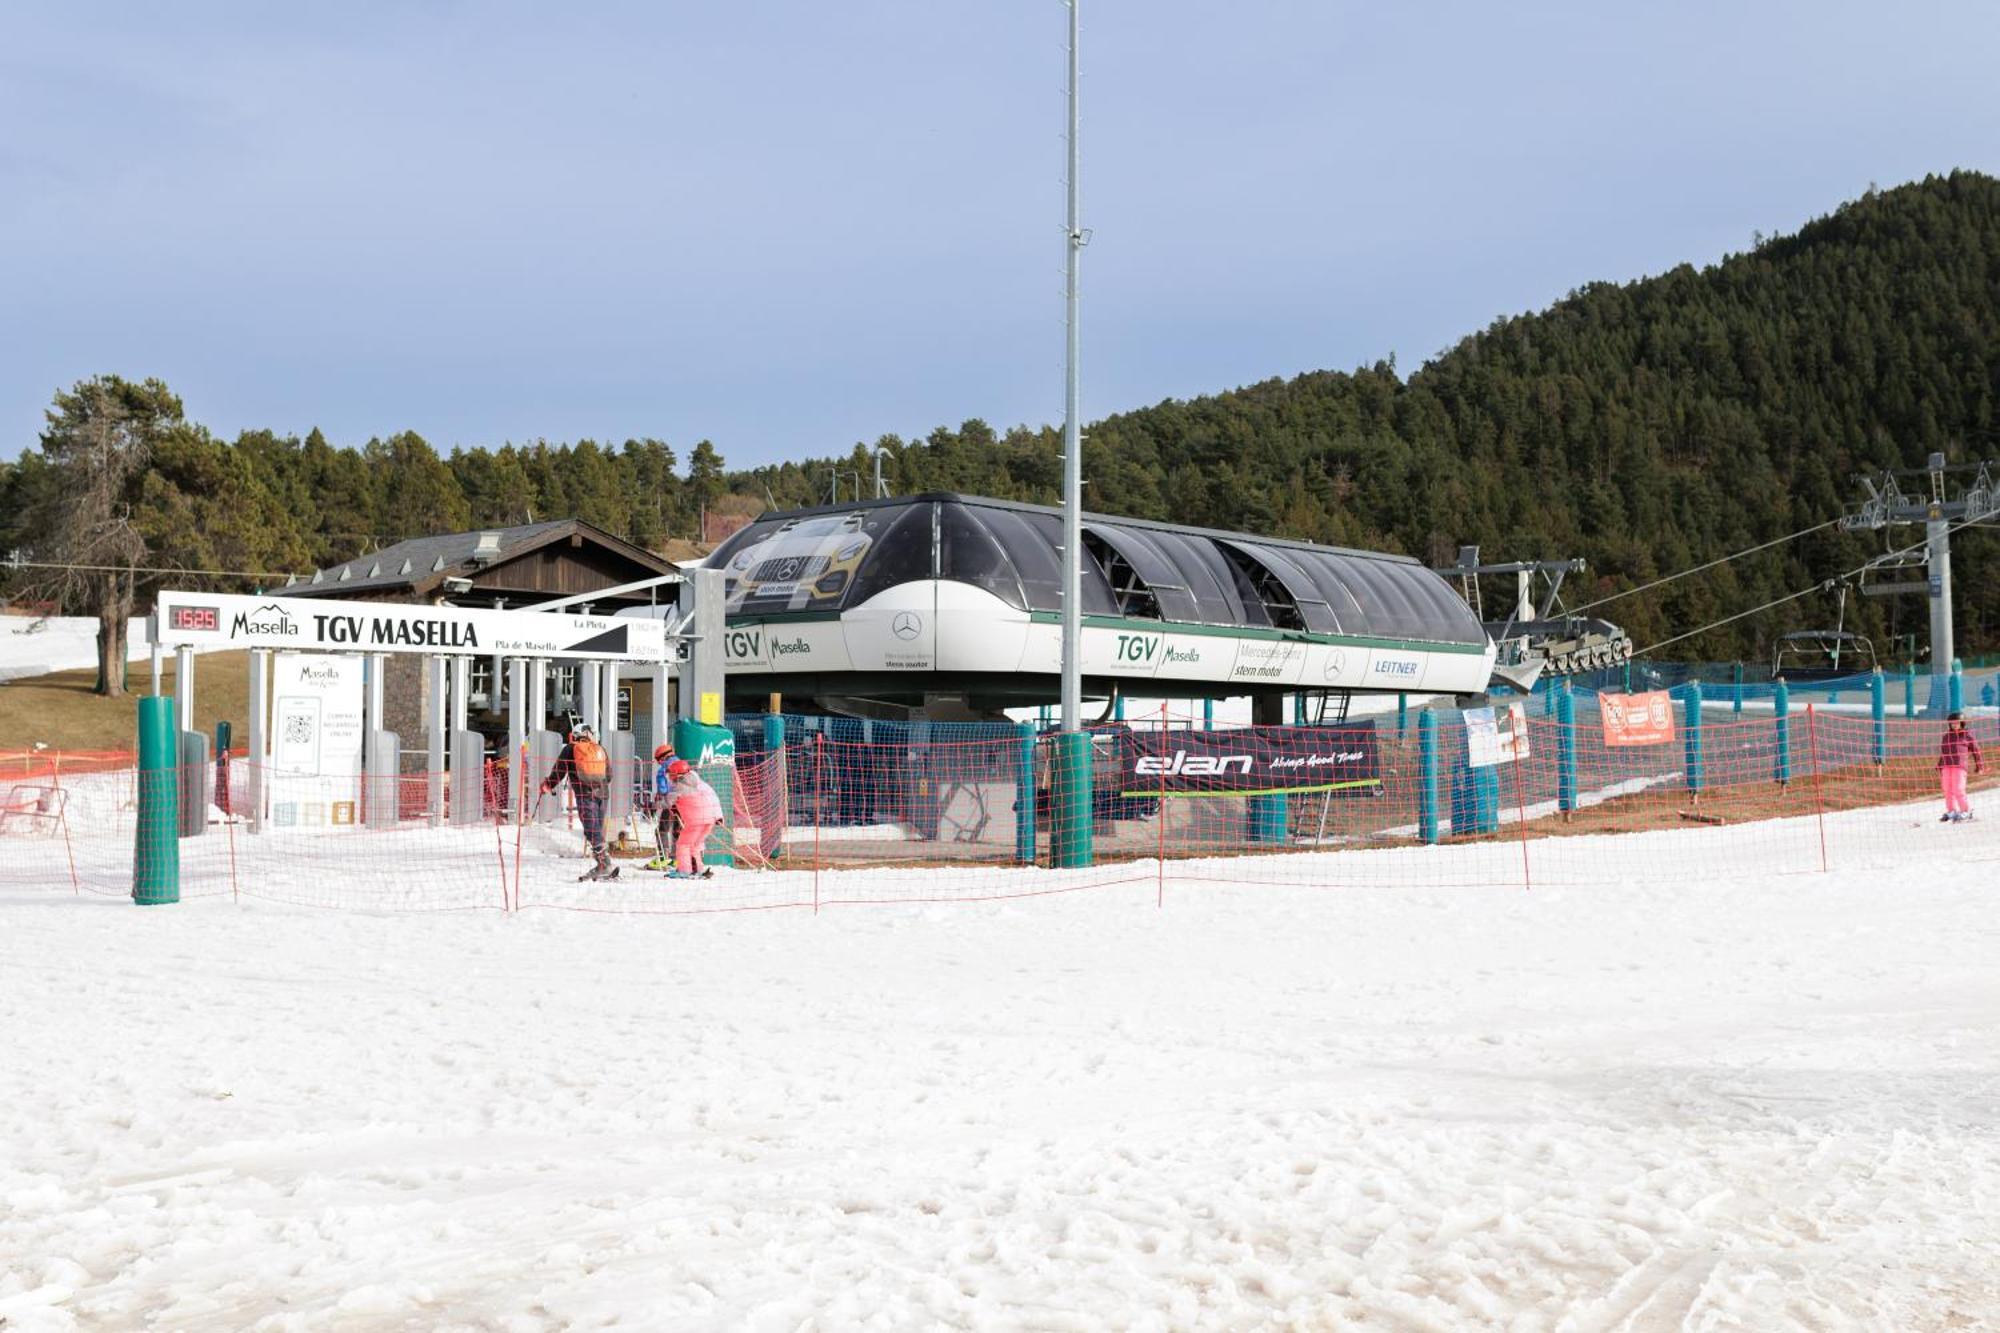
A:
{"points": [[1647, 426]]}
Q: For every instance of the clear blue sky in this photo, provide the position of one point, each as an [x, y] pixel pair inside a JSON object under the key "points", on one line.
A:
{"points": [[787, 225]]}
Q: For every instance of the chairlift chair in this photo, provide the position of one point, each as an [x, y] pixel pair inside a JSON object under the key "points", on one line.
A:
{"points": [[1821, 654]]}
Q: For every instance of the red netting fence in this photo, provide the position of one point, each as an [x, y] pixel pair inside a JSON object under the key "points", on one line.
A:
{"points": [[823, 821]]}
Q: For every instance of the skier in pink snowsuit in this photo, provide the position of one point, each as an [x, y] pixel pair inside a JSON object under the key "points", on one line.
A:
{"points": [[1958, 749], [699, 811]]}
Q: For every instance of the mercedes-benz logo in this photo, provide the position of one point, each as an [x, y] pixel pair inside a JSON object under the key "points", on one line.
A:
{"points": [[907, 625], [1336, 662]]}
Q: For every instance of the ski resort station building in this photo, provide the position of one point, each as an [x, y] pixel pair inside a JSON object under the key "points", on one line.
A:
{"points": [[948, 607]]}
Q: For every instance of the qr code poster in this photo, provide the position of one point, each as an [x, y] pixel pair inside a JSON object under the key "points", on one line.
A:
{"points": [[1496, 735]]}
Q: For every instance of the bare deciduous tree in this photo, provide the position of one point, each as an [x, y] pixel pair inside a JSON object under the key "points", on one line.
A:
{"points": [[79, 530]]}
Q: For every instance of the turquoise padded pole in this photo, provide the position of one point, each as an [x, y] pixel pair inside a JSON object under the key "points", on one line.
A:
{"points": [[1782, 765], [1565, 747], [156, 860], [1024, 795], [1878, 710], [774, 744], [1695, 776], [1427, 777]]}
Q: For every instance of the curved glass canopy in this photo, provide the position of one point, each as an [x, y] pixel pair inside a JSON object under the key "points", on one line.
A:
{"points": [[831, 558]]}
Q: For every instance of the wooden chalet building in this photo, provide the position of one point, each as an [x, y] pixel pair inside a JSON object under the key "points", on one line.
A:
{"points": [[501, 568]]}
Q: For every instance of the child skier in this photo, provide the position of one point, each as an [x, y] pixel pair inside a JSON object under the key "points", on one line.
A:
{"points": [[584, 766], [666, 826], [1957, 748], [699, 811]]}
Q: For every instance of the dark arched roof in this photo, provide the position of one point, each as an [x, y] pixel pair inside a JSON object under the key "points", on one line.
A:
{"points": [[832, 557]]}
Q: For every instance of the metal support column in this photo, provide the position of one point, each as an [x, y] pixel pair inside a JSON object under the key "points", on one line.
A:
{"points": [[608, 708], [434, 730], [663, 719], [260, 674], [461, 689], [517, 733], [590, 695], [537, 694], [1937, 544], [184, 687]]}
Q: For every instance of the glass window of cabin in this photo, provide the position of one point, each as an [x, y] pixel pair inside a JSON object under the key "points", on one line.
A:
{"points": [[968, 552], [898, 551]]}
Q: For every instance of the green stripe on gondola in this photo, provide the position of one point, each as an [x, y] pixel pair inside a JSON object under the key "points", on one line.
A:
{"points": [[1175, 627]]}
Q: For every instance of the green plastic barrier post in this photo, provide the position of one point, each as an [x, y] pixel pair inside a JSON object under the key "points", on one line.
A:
{"points": [[1956, 687], [156, 858], [1072, 781]]}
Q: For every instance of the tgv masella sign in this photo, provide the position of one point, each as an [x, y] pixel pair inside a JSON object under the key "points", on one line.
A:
{"points": [[216, 620]]}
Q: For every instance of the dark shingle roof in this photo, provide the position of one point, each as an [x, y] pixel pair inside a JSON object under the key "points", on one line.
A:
{"points": [[422, 562]]}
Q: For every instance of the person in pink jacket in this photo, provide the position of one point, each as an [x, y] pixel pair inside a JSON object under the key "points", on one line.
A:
{"points": [[699, 811], [1958, 751]]}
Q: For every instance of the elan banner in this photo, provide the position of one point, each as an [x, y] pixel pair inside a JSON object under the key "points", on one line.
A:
{"points": [[1252, 762], [312, 624]]}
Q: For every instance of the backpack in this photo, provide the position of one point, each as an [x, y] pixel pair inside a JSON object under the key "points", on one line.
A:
{"points": [[591, 764]]}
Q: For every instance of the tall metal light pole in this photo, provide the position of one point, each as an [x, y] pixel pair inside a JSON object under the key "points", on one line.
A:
{"points": [[1072, 595]]}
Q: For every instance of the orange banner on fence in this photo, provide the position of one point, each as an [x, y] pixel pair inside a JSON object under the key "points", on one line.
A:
{"points": [[1637, 719]]}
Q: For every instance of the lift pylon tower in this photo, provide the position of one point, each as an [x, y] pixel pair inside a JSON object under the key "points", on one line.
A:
{"points": [[1888, 504]]}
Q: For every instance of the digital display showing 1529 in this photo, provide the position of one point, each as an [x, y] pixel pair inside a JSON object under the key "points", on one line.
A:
{"points": [[193, 617]]}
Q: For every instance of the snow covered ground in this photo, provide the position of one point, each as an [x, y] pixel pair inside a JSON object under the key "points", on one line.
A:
{"points": [[1749, 1100], [31, 647]]}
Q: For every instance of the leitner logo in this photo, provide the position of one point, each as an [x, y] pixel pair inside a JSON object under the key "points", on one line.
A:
{"points": [[1183, 764], [266, 619], [1391, 667]]}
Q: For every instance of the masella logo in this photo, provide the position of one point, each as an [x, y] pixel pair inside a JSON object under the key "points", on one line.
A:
{"points": [[1182, 764], [789, 647], [268, 619]]}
